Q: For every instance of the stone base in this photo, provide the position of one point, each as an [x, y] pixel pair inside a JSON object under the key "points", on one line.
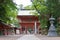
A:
{"points": [[52, 34]]}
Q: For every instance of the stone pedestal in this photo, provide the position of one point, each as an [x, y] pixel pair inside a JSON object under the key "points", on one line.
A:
{"points": [[52, 31]]}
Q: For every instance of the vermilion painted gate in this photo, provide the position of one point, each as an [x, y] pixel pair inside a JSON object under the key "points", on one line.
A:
{"points": [[28, 21]]}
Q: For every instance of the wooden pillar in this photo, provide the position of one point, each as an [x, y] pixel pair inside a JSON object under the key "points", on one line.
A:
{"points": [[26, 29], [20, 30], [7, 31], [38, 29], [35, 27], [15, 30], [3, 31]]}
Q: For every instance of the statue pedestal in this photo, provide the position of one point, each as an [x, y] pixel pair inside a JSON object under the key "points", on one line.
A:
{"points": [[52, 31]]}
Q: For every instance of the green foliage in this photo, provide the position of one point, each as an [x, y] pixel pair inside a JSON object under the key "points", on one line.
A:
{"points": [[39, 5], [15, 22], [46, 9], [8, 10], [30, 7], [53, 7]]}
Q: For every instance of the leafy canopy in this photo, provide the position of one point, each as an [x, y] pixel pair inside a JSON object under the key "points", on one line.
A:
{"points": [[8, 11]]}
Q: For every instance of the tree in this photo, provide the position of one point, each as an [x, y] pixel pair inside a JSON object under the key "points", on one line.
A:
{"points": [[41, 8], [29, 7], [53, 7], [47, 6], [46, 9], [8, 11]]}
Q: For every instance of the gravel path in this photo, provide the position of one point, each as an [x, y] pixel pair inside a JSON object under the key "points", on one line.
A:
{"points": [[44, 37], [10, 37], [29, 37]]}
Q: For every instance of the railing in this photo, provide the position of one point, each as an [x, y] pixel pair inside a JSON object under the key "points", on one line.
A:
{"points": [[29, 21]]}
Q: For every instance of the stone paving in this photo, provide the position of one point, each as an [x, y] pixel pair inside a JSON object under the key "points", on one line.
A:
{"points": [[44, 37], [10, 37], [28, 37]]}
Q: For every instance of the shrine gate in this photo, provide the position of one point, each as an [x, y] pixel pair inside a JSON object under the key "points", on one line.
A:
{"points": [[29, 23]]}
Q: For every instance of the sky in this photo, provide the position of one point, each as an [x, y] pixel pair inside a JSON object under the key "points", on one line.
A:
{"points": [[24, 2]]}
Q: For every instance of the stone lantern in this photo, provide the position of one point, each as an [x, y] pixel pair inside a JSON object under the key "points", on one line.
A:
{"points": [[52, 31]]}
